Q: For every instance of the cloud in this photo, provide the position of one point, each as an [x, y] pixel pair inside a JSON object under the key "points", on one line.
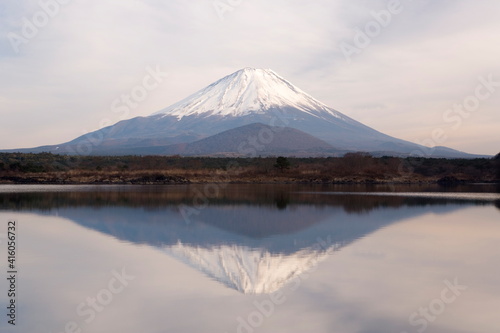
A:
{"points": [[63, 80]]}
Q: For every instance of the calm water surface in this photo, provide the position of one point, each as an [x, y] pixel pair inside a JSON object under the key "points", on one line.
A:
{"points": [[253, 258]]}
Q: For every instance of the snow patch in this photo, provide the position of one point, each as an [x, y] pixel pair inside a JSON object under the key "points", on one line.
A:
{"points": [[250, 271], [245, 92]]}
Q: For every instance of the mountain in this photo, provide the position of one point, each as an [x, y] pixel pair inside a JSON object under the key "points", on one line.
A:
{"points": [[250, 261], [244, 140], [247, 270], [248, 96], [252, 239]]}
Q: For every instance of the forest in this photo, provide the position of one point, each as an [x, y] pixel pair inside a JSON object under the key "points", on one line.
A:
{"points": [[47, 168]]}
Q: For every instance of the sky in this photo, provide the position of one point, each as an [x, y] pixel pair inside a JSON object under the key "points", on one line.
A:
{"points": [[424, 71]]}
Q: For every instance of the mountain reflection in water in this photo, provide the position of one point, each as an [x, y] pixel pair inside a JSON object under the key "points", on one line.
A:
{"points": [[253, 239]]}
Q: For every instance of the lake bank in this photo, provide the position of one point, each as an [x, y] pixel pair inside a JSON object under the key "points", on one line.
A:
{"points": [[353, 168], [167, 178]]}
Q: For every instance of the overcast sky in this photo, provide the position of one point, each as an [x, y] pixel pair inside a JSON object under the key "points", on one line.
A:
{"points": [[62, 71]]}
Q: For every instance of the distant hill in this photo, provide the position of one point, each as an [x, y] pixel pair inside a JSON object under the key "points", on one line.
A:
{"points": [[249, 140]]}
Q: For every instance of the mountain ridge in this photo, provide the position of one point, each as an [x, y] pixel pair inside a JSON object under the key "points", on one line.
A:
{"points": [[255, 139], [245, 97]]}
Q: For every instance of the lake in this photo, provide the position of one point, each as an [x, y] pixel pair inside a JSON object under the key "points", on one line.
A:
{"points": [[252, 258]]}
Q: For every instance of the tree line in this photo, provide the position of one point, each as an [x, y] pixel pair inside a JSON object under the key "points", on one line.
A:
{"points": [[352, 165]]}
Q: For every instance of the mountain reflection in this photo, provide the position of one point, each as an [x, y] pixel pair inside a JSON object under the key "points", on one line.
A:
{"points": [[279, 196], [253, 239]]}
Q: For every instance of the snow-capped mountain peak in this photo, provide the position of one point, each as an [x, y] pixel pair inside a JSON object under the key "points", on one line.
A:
{"points": [[249, 271], [248, 96], [244, 92]]}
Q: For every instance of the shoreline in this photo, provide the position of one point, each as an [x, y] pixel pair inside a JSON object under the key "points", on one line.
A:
{"points": [[354, 168], [16, 180]]}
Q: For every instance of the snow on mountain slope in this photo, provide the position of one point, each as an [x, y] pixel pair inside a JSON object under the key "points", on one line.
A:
{"points": [[250, 271], [245, 92], [248, 96]]}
